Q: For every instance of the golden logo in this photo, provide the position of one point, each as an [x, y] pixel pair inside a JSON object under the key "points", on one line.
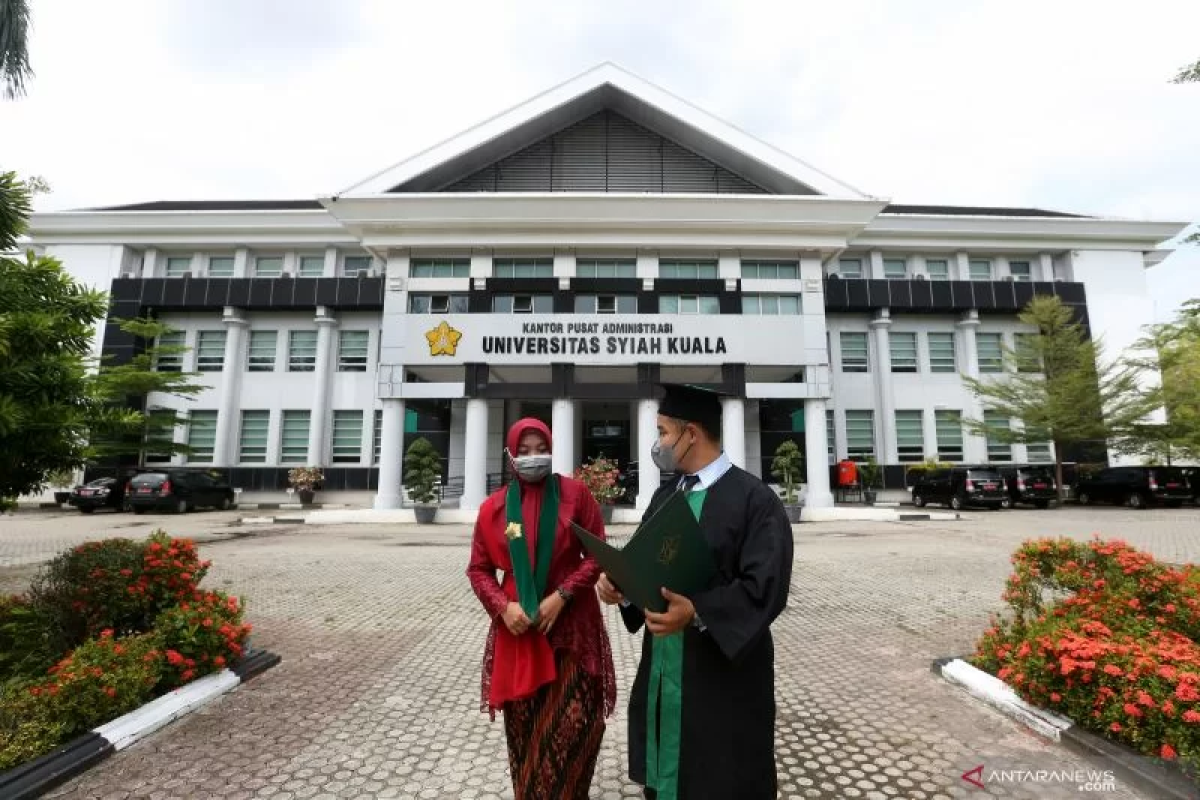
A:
{"points": [[513, 531], [670, 549], [443, 340]]}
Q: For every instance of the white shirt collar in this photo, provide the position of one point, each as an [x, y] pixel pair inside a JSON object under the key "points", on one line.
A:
{"points": [[709, 474]]}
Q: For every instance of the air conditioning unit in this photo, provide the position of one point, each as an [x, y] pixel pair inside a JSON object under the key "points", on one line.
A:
{"points": [[835, 276], [920, 277], [1009, 278]]}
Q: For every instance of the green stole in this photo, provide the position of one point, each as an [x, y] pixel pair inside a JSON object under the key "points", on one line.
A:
{"points": [[666, 677], [531, 580]]}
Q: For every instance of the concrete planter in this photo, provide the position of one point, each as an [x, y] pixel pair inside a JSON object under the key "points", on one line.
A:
{"points": [[793, 512], [425, 514]]}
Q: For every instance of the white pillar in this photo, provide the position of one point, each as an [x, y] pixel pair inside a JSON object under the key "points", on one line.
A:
{"points": [[648, 474], [733, 429], [319, 419], [389, 493], [885, 448], [562, 427], [475, 461], [816, 456], [224, 448], [974, 446]]}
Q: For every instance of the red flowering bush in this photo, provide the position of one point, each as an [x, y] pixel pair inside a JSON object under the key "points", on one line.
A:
{"points": [[1104, 634], [200, 636], [600, 476]]}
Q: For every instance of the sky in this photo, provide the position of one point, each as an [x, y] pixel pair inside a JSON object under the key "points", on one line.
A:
{"points": [[1064, 105]]}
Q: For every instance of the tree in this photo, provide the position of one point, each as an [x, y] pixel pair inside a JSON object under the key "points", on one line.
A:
{"points": [[14, 47], [1057, 387], [46, 326], [1188, 74], [123, 422], [422, 467], [788, 465]]}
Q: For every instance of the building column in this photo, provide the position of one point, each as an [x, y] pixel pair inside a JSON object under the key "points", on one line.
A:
{"points": [[390, 492], [885, 426], [562, 427], [319, 419], [816, 456], [733, 429], [224, 448], [974, 447], [475, 459], [648, 473]]}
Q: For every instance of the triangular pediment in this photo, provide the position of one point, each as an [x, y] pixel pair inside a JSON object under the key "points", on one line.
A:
{"points": [[605, 131]]}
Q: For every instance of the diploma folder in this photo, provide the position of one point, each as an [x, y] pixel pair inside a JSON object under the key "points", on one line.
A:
{"points": [[667, 550]]}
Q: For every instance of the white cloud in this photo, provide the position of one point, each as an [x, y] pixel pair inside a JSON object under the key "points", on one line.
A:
{"points": [[1062, 104]]}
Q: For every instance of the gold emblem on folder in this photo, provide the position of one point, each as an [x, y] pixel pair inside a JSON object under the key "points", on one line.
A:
{"points": [[513, 531], [670, 549]]}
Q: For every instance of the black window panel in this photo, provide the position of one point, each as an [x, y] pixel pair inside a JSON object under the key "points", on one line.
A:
{"points": [[730, 302], [260, 292], [985, 295], [1023, 293], [900, 292], [152, 291], [605, 285], [1005, 294], [922, 293], [327, 291], [963, 297], [691, 286], [564, 302], [239, 292], [126, 289], [522, 285], [217, 292], [173, 292], [282, 292], [1070, 292], [647, 302], [835, 293], [878, 295], [194, 292], [347, 290], [356, 479], [858, 296], [305, 292], [370, 291], [942, 293], [479, 303]]}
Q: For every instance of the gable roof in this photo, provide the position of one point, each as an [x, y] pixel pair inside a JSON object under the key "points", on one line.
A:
{"points": [[606, 87]]}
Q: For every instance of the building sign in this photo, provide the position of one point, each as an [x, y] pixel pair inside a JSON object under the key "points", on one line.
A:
{"points": [[605, 339]]}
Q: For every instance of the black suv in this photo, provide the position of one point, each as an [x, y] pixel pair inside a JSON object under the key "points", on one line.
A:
{"points": [[178, 490], [1032, 485], [959, 487], [100, 493], [1137, 487]]}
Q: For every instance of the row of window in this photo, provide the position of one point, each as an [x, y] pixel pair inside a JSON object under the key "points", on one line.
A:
{"points": [[693, 269], [353, 350], [937, 269], [903, 354], [604, 304], [267, 266], [910, 437], [346, 437]]}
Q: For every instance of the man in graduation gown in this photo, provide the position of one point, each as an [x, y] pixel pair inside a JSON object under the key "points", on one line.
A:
{"points": [[702, 708]]}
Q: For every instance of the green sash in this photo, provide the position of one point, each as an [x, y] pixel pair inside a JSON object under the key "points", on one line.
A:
{"points": [[664, 718], [531, 581]]}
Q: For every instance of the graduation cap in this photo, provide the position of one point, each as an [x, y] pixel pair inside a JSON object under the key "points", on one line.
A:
{"points": [[692, 404]]}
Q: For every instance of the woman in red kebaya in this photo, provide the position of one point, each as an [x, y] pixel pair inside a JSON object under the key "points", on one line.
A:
{"points": [[547, 665]]}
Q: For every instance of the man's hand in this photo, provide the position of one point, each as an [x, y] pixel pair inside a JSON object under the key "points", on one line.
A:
{"points": [[678, 615], [607, 592], [515, 619], [548, 611]]}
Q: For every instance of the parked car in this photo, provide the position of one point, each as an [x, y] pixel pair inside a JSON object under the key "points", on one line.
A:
{"points": [[1193, 476], [100, 493], [1137, 487], [178, 490], [1029, 484], [960, 487]]}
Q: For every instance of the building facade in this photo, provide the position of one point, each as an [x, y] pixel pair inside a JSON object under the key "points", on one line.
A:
{"points": [[562, 259]]}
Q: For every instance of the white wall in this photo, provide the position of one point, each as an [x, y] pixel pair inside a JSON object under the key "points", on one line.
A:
{"points": [[94, 266]]}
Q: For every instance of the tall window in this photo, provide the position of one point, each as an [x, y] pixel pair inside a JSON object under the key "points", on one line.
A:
{"points": [[437, 304], [268, 266], [523, 304], [352, 351], [910, 436], [252, 440], [687, 268], [523, 268], [202, 436], [937, 269], [941, 352], [347, 437], [312, 266], [293, 446], [850, 268], [1039, 453], [439, 268], [903, 350], [171, 361], [177, 266], [689, 304], [1026, 353], [377, 436], [997, 448], [220, 267], [606, 268], [302, 351], [210, 351], [1020, 271], [948, 426], [981, 269], [895, 268], [771, 270], [854, 352], [989, 348], [353, 266], [860, 435], [262, 351], [773, 304], [830, 436], [605, 304]]}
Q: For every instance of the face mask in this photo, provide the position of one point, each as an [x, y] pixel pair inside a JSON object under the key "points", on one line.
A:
{"points": [[665, 458], [531, 468]]}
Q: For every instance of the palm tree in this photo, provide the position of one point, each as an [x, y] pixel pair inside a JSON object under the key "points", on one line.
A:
{"points": [[14, 47]]}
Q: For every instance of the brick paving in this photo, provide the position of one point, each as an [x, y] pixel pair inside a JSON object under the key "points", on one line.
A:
{"points": [[377, 695]]}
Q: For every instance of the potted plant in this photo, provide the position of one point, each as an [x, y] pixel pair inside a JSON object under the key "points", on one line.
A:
{"points": [[869, 474], [788, 466], [422, 469], [602, 478], [305, 480]]}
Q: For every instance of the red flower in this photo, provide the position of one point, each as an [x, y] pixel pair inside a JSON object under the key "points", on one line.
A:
{"points": [[174, 658], [1168, 752], [1115, 727], [188, 674], [1191, 716], [110, 691], [219, 661]]}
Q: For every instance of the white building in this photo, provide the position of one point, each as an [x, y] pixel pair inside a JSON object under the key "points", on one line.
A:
{"points": [[562, 258]]}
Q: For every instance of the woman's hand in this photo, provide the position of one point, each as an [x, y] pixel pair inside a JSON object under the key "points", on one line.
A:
{"points": [[548, 611], [515, 619], [607, 592]]}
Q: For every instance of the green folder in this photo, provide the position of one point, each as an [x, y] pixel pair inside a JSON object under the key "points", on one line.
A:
{"points": [[667, 550]]}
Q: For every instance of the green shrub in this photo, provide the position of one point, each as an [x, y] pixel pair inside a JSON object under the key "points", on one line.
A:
{"points": [[200, 636], [25, 648], [422, 466]]}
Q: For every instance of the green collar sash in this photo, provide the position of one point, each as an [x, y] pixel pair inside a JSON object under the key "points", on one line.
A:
{"points": [[531, 580]]}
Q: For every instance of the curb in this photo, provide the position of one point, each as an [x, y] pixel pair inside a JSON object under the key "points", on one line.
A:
{"points": [[35, 778], [1159, 779]]}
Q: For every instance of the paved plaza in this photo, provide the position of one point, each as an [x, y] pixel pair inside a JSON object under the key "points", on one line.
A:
{"points": [[381, 638]]}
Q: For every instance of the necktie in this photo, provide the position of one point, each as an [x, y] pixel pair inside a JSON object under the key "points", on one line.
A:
{"points": [[690, 481]]}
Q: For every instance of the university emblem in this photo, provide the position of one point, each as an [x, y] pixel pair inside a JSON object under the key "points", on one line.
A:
{"points": [[669, 550], [443, 340], [513, 531]]}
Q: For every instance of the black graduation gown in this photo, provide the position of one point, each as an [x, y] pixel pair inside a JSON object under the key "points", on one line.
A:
{"points": [[727, 747]]}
